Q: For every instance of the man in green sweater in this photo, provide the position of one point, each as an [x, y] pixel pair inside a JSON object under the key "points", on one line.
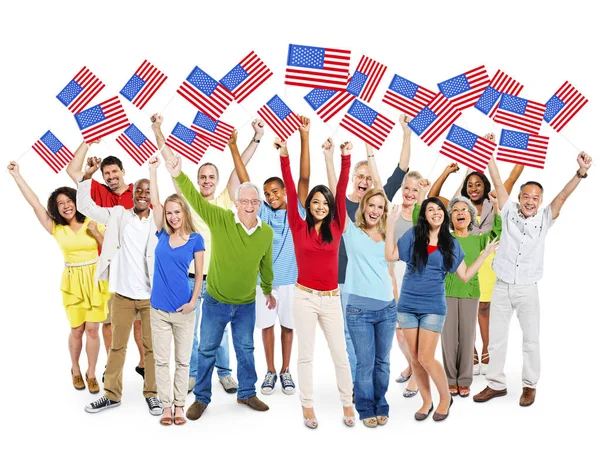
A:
{"points": [[241, 248]]}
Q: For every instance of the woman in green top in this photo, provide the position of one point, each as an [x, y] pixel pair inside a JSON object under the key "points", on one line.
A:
{"points": [[462, 299]]}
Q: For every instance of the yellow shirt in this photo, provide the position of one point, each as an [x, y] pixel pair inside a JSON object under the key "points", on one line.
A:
{"points": [[77, 247]]}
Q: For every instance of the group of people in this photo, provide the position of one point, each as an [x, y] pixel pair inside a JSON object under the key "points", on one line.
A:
{"points": [[197, 268]]}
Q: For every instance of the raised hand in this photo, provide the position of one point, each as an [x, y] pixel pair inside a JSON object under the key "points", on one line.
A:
{"points": [[232, 139], [13, 169], [404, 120], [173, 165], [585, 161], [327, 147], [157, 121], [424, 186], [281, 146], [93, 164], [258, 125], [394, 214], [305, 127], [493, 198], [154, 162], [490, 136], [451, 168], [346, 148]]}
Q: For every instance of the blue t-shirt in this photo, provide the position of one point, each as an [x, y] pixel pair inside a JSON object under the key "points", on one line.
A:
{"points": [[423, 292], [285, 269], [170, 288]]}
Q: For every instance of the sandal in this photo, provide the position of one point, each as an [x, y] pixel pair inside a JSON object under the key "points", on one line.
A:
{"points": [[382, 420], [179, 420], [166, 420], [464, 391], [311, 423], [370, 422], [483, 365], [453, 390]]}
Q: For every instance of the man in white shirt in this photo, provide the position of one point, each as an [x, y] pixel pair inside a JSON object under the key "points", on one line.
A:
{"points": [[519, 266], [127, 263]]}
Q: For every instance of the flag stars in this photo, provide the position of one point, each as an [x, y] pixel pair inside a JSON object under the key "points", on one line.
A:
{"points": [[404, 87], [279, 107], [90, 117], [553, 107], [303, 56], [357, 83], [202, 81], [69, 93], [132, 87], [204, 121], [233, 79], [317, 97], [135, 135], [454, 86], [184, 134], [363, 113], [487, 100], [514, 139], [422, 120], [513, 104], [462, 137], [51, 142]]}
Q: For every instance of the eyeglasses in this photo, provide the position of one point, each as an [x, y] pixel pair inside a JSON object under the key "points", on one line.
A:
{"points": [[459, 210], [246, 201], [362, 177]]}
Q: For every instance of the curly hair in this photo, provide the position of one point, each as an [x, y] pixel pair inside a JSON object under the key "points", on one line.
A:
{"points": [[52, 205], [470, 207]]}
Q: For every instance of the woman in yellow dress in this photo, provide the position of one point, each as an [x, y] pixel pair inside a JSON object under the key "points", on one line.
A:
{"points": [[85, 300]]}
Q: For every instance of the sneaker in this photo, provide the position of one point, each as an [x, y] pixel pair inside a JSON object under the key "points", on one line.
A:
{"points": [[268, 385], [229, 384], [154, 406], [101, 404], [287, 384]]}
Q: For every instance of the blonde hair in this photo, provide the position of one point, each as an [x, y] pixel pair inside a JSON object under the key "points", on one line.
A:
{"points": [[187, 225], [414, 175], [361, 222]]}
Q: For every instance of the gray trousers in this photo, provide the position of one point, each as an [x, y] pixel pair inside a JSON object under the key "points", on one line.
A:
{"points": [[458, 339], [524, 300]]}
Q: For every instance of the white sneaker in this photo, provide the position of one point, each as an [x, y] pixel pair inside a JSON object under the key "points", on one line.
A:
{"points": [[476, 369], [229, 384]]}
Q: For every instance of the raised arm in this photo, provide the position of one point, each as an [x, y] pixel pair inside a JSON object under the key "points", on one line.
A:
{"points": [[436, 188], [85, 203], [238, 165], [585, 162], [405, 151], [166, 152], [304, 179], [340, 189], [39, 210], [75, 166], [294, 219], [391, 248], [496, 225], [501, 191], [465, 273], [373, 167], [153, 164], [234, 182], [514, 175], [328, 153]]}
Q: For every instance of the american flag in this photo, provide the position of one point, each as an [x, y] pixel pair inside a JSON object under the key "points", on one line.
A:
{"points": [[217, 133], [144, 84], [205, 93], [101, 120], [246, 76], [406, 96], [52, 151], [501, 83], [464, 90], [366, 78], [523, 148], [563, 106], [136, 145], [468, 148], [317, 67], [186, 142], [327, 103], [280, 117], [434, 119], [520, 114], [367, 124], [80, 90]]}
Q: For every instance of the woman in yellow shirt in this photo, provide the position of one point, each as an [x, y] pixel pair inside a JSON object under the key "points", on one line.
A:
{"points": [[85, 300]]}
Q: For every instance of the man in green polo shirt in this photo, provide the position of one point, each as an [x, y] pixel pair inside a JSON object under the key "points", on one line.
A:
{"points": [[241, 248]]}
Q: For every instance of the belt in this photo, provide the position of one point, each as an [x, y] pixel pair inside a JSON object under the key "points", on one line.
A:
{"points": [[193, 276], [91, 262], [335, 292]]}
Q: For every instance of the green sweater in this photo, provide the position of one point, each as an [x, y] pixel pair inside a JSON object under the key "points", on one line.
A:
{"points": [[236, 258]]}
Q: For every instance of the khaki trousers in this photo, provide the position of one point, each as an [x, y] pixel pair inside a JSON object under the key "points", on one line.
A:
{"points": [[166, 328], [123, 312], [458, 339], [326, 310]]}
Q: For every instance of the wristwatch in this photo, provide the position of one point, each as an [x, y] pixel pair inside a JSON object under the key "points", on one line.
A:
{"points": [[255, 140], [581, 176]]}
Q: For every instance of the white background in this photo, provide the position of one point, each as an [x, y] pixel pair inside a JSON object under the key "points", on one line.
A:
{"points": [[45, 43]]}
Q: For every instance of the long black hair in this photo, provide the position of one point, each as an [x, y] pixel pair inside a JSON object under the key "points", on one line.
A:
{"points": [[325, 225], [52, 206], [487, 187], [445, 240]]}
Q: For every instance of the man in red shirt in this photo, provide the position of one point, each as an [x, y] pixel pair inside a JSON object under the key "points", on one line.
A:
{"points": [[113, 192]]}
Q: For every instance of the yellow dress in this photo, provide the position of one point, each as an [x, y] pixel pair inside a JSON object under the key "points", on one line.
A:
{"points": [[487, 277], [85, 300]]}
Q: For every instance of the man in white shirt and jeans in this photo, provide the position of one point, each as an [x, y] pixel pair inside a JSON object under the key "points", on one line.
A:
{"points": [[519, 266]]}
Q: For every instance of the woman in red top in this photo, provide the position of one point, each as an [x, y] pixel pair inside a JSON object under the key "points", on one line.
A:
{"points": [[316, 298]]}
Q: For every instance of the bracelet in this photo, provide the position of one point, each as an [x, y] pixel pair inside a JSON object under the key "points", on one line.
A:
{"points": [[255, 140], [581, 176], [370, 155]]}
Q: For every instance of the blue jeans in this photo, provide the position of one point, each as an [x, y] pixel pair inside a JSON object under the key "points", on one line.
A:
{"points": [[223, 369], [349, 345], [215, 317], [372, 333]]}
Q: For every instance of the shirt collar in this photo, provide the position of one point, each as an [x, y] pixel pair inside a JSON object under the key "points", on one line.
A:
{"points": [[237, 220]]}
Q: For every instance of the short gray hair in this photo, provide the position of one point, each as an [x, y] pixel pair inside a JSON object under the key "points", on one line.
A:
{"points": [[470, 206], [246, 185]]}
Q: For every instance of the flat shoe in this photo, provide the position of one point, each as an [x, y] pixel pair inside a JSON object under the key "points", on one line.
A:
{"points": [[437, 417], [409, 393], [382, 420], [92, 384], [78, 382], [370, 422], [423, 416], [403, 379]]}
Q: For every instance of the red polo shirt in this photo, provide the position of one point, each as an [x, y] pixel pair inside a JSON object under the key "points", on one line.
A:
{"points": [[106, 198]]}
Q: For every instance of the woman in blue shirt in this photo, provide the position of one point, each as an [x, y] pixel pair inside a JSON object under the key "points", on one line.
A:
{"points": [[430, 253], [371, 308], [172, 300]]}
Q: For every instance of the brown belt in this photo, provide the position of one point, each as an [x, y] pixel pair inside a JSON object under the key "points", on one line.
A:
{"points": [[335, 292]]}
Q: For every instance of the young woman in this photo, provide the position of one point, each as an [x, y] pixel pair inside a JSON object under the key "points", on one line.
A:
{"points": [[430, 253], [84, 299], [316, 298], [476, 187], [172, 300], [462, 299], [371, 308]]}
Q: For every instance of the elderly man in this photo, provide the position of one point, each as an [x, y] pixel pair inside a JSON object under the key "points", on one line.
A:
{"points": [[241, 249], [519, 265]]}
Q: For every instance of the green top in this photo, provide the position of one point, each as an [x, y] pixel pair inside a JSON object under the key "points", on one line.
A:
{"points": [[236, 257]]}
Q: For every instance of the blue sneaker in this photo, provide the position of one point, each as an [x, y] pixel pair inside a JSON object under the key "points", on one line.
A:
{"points": [[287, 384], [268, 385]]}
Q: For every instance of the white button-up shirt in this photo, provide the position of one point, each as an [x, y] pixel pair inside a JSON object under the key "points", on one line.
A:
{"points": [[520, 255], [248, 231]]}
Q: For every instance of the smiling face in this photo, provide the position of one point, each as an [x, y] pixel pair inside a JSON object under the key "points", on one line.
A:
{"points": [[174, 215], [113, 176], [319, 208], [247, 204], [530, 199], [361, 180], [410, 191], [461, 217], [141, 195], [66, 207], [208, 180], [475, 188], [375, 207], [434, 215], [275, 195]]}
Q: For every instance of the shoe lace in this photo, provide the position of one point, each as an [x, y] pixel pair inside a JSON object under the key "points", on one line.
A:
{"points": [[153, 402], [269, 379], [99, 402], [286, 380]]}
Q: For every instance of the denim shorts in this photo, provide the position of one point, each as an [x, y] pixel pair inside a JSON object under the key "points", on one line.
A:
{"points": [[432, 322]]}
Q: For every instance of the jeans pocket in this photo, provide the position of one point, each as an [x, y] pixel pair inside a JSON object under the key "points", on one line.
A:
{"points": [[209, 300], [353, 310]]}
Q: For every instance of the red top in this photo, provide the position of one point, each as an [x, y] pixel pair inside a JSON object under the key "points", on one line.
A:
{"points": [[317, 261], [431, 248], [106, 198]]}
